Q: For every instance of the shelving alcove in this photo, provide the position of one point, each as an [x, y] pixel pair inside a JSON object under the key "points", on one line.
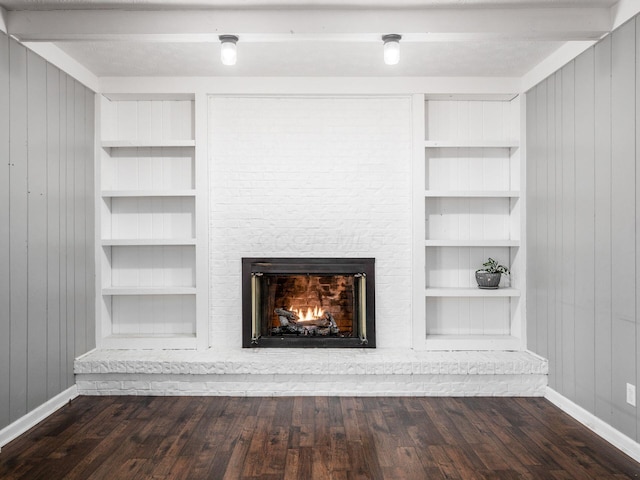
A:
{"points": [[472, 211], [147, 229]]}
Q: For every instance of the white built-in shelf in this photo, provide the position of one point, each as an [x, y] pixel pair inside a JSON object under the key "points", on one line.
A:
{"points": [[147, 143], [148, 193], [472, 243], [473, 342], [472, 193], [470, 144], [149, 258], [132, 242], [149, 291], [471, 292]]}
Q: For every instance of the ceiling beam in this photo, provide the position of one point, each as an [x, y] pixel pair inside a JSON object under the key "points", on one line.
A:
{"points": [[487, 87], [52, 54], [3, 20], [624, 10], [554, 24]]}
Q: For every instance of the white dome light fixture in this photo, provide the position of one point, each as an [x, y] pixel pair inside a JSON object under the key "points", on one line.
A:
{"points": [[228, 52], [391, 48]]}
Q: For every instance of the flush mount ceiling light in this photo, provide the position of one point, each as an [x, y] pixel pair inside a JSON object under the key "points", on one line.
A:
{"points": [[228, 53], [391, 48]]}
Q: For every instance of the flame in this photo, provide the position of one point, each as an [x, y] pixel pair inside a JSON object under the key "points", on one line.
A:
{"points": [[310, 315]]}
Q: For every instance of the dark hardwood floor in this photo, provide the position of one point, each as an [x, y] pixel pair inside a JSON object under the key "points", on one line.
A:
{"points": [[311, 438]]}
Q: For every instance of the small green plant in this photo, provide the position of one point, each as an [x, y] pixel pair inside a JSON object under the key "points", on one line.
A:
{"points": [[491, 266]]}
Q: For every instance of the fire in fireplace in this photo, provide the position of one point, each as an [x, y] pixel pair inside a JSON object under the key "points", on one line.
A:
{"points": [[308, 302]]}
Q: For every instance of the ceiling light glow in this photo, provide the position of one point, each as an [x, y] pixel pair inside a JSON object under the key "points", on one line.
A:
{"points": [[228, 51], [391, 48]]}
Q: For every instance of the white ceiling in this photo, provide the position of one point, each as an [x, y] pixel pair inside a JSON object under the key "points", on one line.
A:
{"points": [[501, 38]]}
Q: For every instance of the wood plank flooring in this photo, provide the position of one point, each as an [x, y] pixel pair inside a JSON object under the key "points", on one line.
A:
{"points": [[304, 438]]}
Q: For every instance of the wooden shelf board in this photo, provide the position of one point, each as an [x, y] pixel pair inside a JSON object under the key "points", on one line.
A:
{"points": [[472, 193], [472, 243], [472, 342], [147, 143], [477, 97], [470, 144], [149, 96], [150, 341], [148, 193], [471, 292], [147, 242], [149, 291]]}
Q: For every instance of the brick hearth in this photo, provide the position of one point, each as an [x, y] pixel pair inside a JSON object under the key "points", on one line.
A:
{"points": [[314, 372]]}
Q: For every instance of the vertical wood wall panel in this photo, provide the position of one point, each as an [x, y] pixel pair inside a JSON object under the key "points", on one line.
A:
{"points": [[46, 209], [5, 332], [18, 228], [552, 256], [70, 227], [532, 259], [37, 231], [637, 146], [592, 226], [559, 369], [541, 215], [90, 233], [623, 223], [80, 241], [53, 231], [602, 261], [62, 125], [585, 231], [568, 230]]}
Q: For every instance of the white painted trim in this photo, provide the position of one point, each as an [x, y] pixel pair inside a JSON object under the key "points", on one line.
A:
{"points": [[94, 350], [419, 326], [35, 416], [522, 251], [64, 62], [553, 63], [593, 423], [201, 167], [97, 215], [311, 85], [623, 11], [539, 357], [3, 20]]}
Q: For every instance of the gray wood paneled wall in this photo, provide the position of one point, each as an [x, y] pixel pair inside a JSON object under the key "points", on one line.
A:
{"points": [[47, 313], [583, 228]]}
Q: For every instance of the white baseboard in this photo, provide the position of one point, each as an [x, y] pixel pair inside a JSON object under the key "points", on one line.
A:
{"points": [[36, 415], [593, 423]]}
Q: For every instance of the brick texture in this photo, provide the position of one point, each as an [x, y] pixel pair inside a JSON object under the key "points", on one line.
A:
{"points": [[315, 177], [317, 372]]}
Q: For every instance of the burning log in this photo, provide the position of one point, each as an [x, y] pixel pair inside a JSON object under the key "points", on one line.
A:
{"points": [[286, 317], [290, 322]]}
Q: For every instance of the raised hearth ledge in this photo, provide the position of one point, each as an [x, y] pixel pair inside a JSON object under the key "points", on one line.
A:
{"points": [[340, 372]]}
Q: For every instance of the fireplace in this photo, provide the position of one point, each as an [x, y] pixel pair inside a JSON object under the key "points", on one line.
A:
{"points": [[308, 302]]}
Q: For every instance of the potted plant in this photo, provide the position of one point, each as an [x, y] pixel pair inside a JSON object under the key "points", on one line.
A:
{"points": [[489, 275]]}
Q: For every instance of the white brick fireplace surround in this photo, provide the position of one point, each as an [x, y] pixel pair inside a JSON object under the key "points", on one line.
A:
{"points": [[311, 177], [294, 176]]}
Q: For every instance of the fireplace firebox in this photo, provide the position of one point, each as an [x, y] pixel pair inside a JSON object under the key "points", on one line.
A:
{"points": [[308, 302]]}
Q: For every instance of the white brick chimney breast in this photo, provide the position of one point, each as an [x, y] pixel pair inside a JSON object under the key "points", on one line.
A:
{"points": [[310, 177]]}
